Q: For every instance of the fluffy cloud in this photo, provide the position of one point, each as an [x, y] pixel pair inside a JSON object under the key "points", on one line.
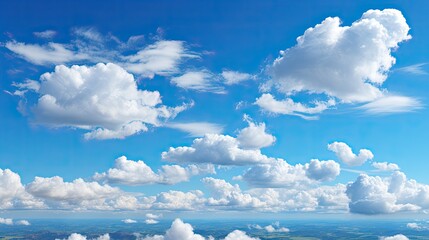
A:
{"points": [[79, 194], [239, 235], [349, 63], [177, 200], [345, 154], [254, 136], [234, 77], [272, 229], [103, 99], [203, 81], [385, 166], [224, 149], [6, 221], [279, 174], [129, 221], [178, 230], [13, 194], [395, 237], [131, 172], [151, 221], [77, 236], [215, 149], [322, 170], [376, 195], [197, 129]]}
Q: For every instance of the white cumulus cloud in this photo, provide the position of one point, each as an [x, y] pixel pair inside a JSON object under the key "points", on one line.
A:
{"points": [[103, 99], [345, 154], [131, 172], [349, 63]]}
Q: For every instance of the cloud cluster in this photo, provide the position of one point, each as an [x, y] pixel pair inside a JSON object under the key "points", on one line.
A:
{"points": [[346, 155], [224, 149], [349, 63], [129, 172], [185, 231], [376, 195], [395, 237], [103, 99], [279, 174], [77, 236]]}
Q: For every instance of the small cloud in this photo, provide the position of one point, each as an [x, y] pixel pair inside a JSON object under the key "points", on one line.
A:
{"points": [[151, 221], [197, 129], [416, 69], [129, 221], [48, 34]]}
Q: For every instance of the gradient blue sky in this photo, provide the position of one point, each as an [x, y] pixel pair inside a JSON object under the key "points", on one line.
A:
{"points": [[240, 36]]}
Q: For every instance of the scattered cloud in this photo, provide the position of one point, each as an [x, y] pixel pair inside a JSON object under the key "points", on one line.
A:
{"points": [[349, 63], [385, 166], [254, 136], [129, 221], [47, 34], [77, 236], [151, 221], [234, 77], [376, 195], [103, 99], [280, 174], [395, 237], [346, 155], [129, 172], [178, 230], [239, 235]]}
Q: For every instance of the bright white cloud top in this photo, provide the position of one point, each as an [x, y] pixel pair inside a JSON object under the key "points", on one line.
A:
{"points": [[349, 63]]}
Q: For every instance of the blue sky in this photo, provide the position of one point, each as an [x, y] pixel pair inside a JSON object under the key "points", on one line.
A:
{"points": [[83, 84]]}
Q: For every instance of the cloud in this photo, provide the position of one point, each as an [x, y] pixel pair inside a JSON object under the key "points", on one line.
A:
{"points": [[272, 229], [416, 69], [280, 174], [385, 166], [376, 195], [395, 237], [162, 58], [177, 200], [23, 223], [151, 221], [254, 136], [268, 103], [392, 104], [202, 81], [346, 155], [77, 236], [79, 195], [47, 34], [224, 149], [129, 221], [415, 226], [322, 170], [49, 54], [6, 221], [153, 216], [103, 99], [234, 77], [349, 63], [13, 194], [197, 129], [239, 235], [215, 149], [129, 172], [178, 230]]}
